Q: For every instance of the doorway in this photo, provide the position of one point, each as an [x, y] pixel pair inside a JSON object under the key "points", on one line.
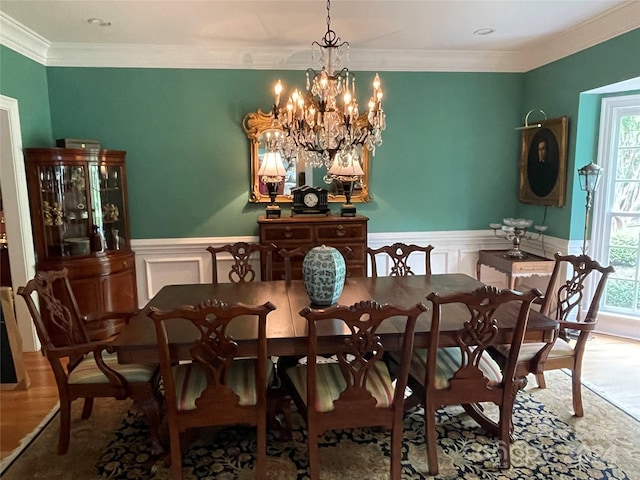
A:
{"points": [[15, 200]]}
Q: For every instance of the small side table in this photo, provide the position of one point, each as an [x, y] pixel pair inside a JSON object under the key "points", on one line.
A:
{"points": [[514, 268]]}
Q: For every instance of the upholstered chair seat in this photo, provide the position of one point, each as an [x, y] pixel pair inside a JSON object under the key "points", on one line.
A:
{"points": [[87, 371], [560, 349], [449, 361], [330, 383], [191, 381]]}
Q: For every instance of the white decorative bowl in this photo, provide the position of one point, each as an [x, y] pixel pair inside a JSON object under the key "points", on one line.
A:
{"points": [[517, 222]]}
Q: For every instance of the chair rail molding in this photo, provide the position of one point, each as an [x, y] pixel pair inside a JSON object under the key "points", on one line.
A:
{"points": [[170, 261]]}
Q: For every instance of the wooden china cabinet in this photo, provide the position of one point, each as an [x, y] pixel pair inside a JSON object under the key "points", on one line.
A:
{"points": [[80, 221]]}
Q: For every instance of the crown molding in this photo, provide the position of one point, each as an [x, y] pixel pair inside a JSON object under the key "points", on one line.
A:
{"points": [[19, 38], [597, 30]]}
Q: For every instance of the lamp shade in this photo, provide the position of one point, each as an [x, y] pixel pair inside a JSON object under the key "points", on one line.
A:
{"points": [[589, 177], [272, 167], [348, 168]]}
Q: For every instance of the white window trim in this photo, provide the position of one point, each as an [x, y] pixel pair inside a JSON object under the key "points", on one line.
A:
{"points": [[612, 107]]}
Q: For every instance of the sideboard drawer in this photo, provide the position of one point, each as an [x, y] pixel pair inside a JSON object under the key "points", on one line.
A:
{"points": [[286, 233], [342, 231]]}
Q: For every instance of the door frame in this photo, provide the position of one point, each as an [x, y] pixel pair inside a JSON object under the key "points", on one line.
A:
{"points": [[15, 198]]}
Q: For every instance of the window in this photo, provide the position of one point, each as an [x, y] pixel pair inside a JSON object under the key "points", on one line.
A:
{"points": [[616, 226]]}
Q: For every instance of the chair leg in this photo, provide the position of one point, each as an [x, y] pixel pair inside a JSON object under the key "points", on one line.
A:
{"points": [[431, 436], [396, 451], [541, 381], [176, 454], [88, 407], [65, 426], [505, 431], [314, 454], [576, 387], [151, 410], [261, 449]]}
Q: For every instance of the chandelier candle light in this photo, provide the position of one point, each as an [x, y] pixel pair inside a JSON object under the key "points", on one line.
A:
{"points": [[324, 122], [515, 229]]}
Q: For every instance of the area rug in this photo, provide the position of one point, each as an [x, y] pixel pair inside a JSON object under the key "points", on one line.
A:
{"points": [[550, 444]]}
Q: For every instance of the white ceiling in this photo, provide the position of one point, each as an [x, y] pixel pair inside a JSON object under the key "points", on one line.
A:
{"points": [[420, 35]]}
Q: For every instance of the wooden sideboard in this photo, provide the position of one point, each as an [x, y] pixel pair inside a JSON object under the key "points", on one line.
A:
{"points": [[347, 234]]}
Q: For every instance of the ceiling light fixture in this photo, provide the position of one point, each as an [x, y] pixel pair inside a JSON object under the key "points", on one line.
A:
{"points": [[99, 22], [484, 31], [324, 123]]}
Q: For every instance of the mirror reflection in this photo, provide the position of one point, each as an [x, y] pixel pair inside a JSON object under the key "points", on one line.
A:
{"points": [[256, 126]]}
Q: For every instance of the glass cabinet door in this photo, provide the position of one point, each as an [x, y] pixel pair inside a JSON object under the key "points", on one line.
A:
{"points": [[109, 207], [65, 209]]}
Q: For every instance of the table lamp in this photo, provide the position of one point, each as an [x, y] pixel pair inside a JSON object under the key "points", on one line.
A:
{"points": [[347, 170], [272, 172]]}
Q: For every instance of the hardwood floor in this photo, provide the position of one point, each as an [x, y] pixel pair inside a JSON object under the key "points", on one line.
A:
{"points": [[611, 367], [21, 411]]}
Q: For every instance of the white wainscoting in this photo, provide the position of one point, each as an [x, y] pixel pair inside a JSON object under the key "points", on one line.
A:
{"points": [[170, 261]]}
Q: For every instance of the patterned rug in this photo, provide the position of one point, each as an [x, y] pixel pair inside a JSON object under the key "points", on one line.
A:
{"points": [[551, 444]]}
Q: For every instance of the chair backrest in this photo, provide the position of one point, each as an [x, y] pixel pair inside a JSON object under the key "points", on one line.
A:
{"points": [[562, 297], [399, 254], [360, 350], [288, 255], [300, 252], [58, 321], [242, 254], [214, 351], [478, 332]]}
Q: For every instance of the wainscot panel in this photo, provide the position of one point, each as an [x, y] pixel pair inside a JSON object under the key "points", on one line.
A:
{"points": [[167, 261]]}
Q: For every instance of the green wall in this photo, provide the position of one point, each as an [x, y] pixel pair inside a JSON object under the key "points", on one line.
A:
{"points": [[556, 88], [446, 162], [26, 81], [449, 161]]}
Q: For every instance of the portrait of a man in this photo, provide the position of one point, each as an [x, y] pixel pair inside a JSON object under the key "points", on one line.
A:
{"points": [[543, 163]]}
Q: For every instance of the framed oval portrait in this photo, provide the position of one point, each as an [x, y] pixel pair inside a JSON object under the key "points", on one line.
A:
{"points": [[543, 163]]}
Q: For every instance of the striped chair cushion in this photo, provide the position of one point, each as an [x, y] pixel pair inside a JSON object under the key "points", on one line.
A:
{"points": [[449, 361], [529, 350], [331, 383], [191, 381], [88, 372]]}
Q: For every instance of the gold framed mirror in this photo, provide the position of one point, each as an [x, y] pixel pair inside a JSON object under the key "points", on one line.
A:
{"points": [[254, 125]]}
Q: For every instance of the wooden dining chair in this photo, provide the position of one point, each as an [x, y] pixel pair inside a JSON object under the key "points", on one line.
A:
{"points": [[564, 302], [82, 357], [399, 254], [466, 374], [242, 254], [216, 387], [357, 390]]}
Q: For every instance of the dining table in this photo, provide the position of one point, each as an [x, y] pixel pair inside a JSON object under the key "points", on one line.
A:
{"points": [[287, 329]]}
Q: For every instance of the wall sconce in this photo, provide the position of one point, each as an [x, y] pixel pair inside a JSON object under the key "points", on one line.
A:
{"points": [[347, 170], [589, 178], [272, 172]]}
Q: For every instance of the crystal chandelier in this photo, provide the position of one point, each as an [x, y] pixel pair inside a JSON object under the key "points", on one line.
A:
{"points": [[324, 124]]}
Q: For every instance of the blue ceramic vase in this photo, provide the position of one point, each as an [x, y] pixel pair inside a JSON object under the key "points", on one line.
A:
{"points": [[324, 271]]}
